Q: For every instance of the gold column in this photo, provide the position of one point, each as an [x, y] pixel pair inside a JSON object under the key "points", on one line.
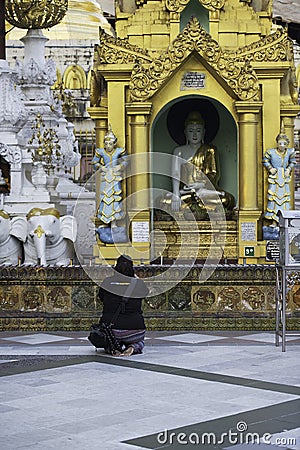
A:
{"points": [[117, 78], [116, 109], [139, 212], [139, 148], [249, 212], [248, 120], [99, 115], [271, 110]]}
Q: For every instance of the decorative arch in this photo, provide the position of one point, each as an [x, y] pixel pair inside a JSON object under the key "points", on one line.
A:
{"points": [[75, 78], [239, 76]]}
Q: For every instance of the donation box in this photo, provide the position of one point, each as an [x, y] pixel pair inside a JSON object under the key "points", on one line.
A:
{"points": [[289, 238]]}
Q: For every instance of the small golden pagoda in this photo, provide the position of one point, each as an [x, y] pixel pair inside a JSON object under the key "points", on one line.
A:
{"points": [[223, 58]]}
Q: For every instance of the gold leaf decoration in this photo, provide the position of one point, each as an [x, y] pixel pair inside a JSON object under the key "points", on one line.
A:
{"points": [[273, 48], [239, 75], [176, 5], [140, 2], [179, 5], [213, 4], [119, 51], [35, 13]]}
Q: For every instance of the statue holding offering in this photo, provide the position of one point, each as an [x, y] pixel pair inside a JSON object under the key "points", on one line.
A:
{"points": [[111, 161], [195, 171], [279, 162]]}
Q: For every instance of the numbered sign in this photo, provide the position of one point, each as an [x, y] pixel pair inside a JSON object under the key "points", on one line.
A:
{"points": [[249, 251]]}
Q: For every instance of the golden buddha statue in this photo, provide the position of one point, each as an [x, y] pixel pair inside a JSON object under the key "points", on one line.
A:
{"points": [[195, 171]]}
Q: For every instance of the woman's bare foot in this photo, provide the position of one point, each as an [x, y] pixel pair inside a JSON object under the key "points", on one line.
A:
{"points": [[128, 352]]}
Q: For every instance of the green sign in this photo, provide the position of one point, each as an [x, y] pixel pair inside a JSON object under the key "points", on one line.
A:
{"points": [[249, 251]]}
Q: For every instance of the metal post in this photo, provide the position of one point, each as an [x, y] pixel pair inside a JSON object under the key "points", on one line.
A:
{"points": [[283, 309], [278, 295]]}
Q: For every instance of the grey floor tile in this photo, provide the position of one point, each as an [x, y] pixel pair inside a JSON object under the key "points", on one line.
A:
{"points": [[37, 338], [6, 408], [89, 397]]}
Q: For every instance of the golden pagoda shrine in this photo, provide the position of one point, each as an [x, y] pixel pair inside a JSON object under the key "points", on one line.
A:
{"points": [[187, 98], [222, 58]]}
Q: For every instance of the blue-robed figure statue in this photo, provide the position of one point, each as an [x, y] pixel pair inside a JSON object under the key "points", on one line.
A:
{"points": [[279, 162], [111, 161]]}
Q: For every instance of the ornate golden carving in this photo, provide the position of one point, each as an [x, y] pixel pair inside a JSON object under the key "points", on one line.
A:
{"points": [[64, 298], [58, 299], [9, 298], [179, 5], [119, 51], [238, 75], [176, 5], [274, 47], [32, 298], [197, 244], [229, 299], [35, 13], [213, 4], [140, 2], [254, 297], [202, 298]]}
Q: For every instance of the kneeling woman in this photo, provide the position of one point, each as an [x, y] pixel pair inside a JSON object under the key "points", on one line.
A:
{"points": [[125, 289]]}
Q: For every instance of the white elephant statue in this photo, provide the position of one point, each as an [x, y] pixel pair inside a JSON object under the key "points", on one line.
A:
{"points": [[12, 233], [50, 238]]}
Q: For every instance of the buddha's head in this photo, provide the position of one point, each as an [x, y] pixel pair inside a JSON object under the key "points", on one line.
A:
{"points": [[194, 128]]}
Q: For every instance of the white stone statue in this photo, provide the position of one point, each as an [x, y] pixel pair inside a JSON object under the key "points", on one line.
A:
{"points": [[50, 238], [12, 233]]}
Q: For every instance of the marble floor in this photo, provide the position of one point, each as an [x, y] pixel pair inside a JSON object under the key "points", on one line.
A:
{"points": [[209, 390]]}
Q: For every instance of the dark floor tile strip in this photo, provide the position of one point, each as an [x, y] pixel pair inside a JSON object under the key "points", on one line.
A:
{"points": [[33, 364], [44, 362], [227, 431], [207, 376]]}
